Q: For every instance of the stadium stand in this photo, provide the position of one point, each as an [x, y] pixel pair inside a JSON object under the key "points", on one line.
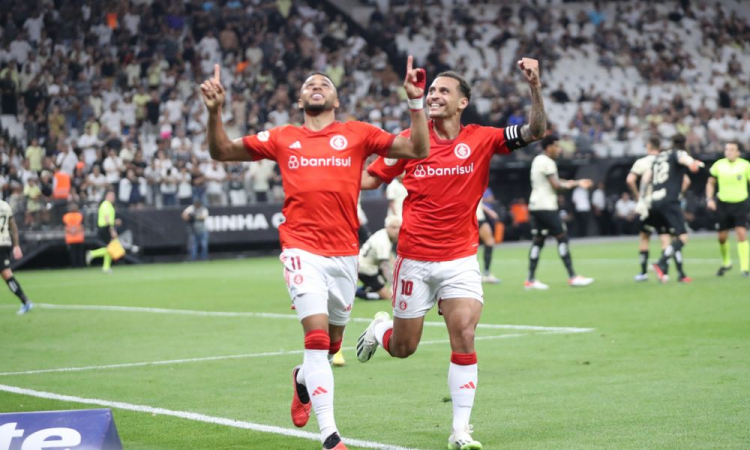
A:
{"points": [[100, 94]]}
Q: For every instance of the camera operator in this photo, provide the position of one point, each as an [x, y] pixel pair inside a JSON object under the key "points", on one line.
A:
{"points": [[195, 216]]}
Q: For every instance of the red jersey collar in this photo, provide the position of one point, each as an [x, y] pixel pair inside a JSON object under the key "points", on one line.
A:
{"points": [[335, 122], [440, 140]]}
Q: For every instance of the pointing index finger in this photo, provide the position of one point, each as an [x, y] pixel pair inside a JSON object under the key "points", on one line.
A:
{"points": [[409, 63], [217, 75]]}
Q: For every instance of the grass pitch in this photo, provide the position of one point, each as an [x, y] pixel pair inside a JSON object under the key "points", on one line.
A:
{"points": [[665, 367]]}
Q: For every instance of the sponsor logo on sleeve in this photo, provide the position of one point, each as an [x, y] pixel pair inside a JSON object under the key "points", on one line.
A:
{"points": [[390, 161], [263, 136]]}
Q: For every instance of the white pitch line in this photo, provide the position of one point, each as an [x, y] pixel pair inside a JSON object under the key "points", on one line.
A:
{"points": [[190, 312], [225, 357], [194, 416]]}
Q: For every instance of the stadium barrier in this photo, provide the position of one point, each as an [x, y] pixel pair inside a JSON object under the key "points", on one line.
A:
{"points": [[229, 226]]}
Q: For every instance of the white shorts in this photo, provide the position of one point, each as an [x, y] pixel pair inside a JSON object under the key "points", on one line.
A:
{"points": [[418, 285], [320, 284]]}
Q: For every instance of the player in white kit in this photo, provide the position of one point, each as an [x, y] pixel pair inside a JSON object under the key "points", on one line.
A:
{"points": [[9, 245], [545, 214]]}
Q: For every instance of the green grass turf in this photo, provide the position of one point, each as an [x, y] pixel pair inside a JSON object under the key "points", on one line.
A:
{"points": [[667, 367]]}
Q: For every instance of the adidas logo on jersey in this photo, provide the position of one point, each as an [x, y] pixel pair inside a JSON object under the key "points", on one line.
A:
{"points": [[421, 171], [296, 145], [332, 161]]}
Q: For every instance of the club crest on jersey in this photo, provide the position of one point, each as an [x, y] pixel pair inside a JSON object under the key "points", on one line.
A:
{"points": [[462, 151], [293, 162], [263, 136], [338, 142], [390, 161]]}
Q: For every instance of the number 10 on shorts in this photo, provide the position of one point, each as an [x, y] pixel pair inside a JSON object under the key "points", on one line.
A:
{"points": [[407, 287]]}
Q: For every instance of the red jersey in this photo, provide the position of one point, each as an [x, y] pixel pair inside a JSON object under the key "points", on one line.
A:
{"points": [[322, 173], [439, 218]]}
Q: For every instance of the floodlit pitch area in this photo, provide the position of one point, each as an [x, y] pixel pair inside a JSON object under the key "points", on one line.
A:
{"points": [[199, 356]]}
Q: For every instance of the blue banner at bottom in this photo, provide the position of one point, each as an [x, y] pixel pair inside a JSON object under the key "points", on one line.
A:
{"points": [[89, 429]]}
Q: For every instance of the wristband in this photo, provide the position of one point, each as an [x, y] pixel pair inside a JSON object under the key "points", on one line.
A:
{"points": [[416, 104]]}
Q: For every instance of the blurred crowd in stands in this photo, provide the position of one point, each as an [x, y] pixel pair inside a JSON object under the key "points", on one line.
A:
{"points": [[97, 95]]}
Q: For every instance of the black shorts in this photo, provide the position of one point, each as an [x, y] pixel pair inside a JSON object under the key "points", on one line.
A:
{"points": [[104, 234], [668, 218], [732, 214], [373, 283], [650, 225], [547, 223], [5, 257]]}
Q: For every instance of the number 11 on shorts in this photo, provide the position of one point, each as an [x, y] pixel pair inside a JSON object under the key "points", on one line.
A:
{"points": [[296, 263]]}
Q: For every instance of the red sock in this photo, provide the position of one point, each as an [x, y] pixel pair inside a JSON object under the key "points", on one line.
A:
{"points": [[464, 359], [335, 347], [387, 339], [317, 340]]}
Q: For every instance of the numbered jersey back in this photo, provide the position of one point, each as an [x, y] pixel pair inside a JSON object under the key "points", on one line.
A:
{"points": [[5, 215], [667, 176]]}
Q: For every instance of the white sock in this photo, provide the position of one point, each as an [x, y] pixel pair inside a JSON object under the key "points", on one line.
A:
{"points": [[462, 383], [380, 330], [301, 375], [319, 381]]}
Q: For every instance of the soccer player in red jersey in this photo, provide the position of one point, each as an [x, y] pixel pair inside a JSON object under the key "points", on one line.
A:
{"points": [[321, 164], [437, 246]]}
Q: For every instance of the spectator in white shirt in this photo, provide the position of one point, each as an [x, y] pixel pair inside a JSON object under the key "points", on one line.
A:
{"points": [[66, 159], [89, 144], [20, 49], [625, 214], [168, 186], [184, 187], [279, 116], [96, 185], [182, 147], [113, 168], [112, 119], [215, 176], [174, 109], [261, 174], [128, 110]]}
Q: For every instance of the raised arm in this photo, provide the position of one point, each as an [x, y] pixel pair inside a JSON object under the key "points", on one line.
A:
{"points": [[417, 145], [537, 126], [219, 144]]}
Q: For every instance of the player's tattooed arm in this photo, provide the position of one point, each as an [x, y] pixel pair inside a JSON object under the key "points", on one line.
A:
{"points": [[537, 126], [370, 182], [220, 146]]}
